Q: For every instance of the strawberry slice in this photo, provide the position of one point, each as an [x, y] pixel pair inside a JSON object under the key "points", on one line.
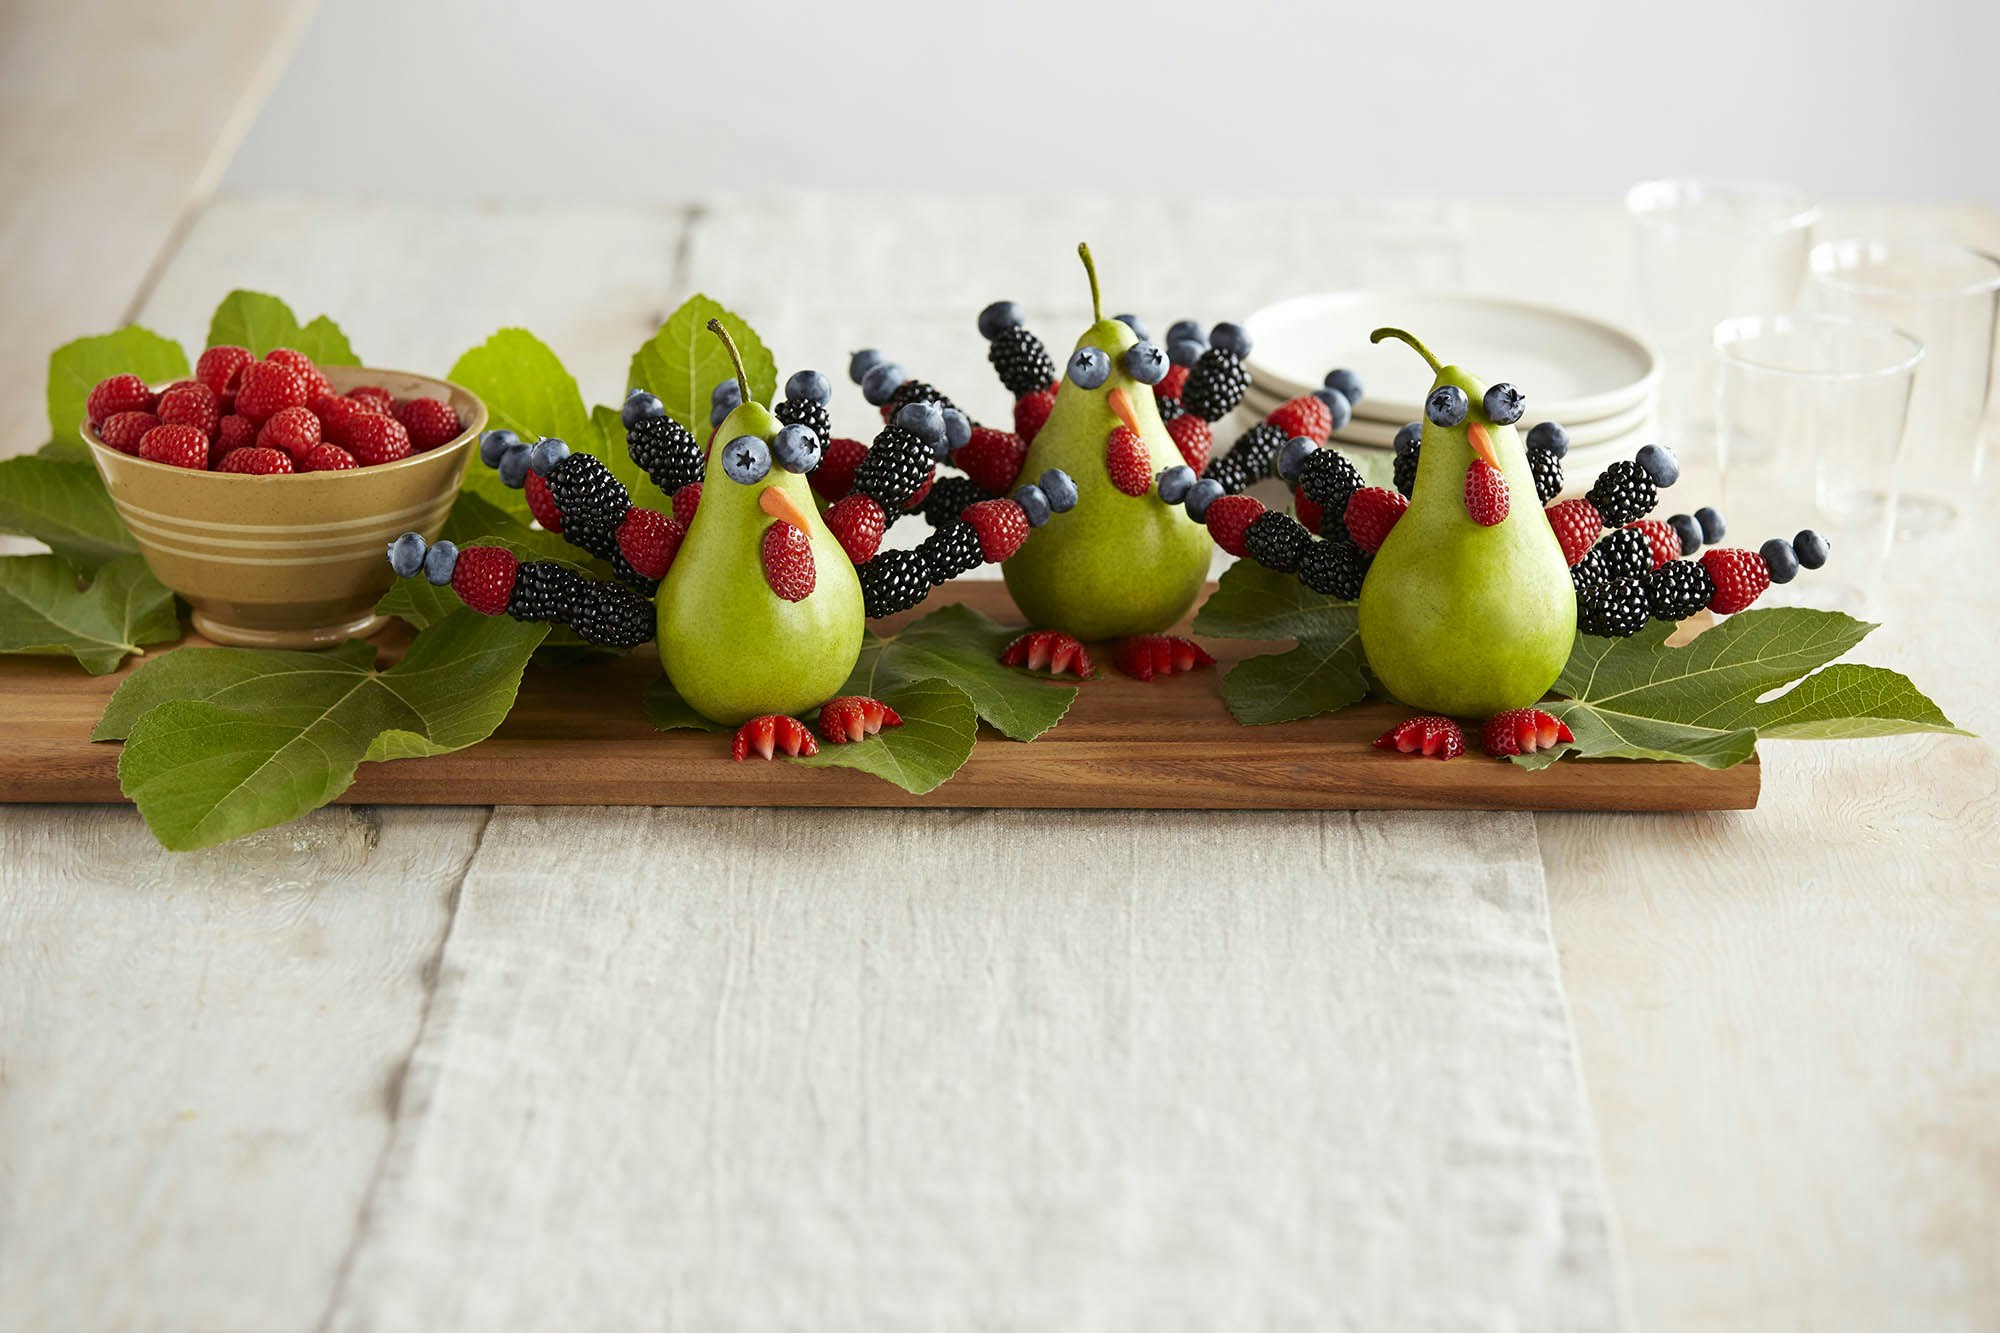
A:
{"points": [[1048, 650], [1430, 736], [766, 736], [1522, 731], [1144, 656], [854, 717]]}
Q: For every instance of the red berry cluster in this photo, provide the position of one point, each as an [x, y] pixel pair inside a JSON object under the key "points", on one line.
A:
{"points": [[277, 415]]}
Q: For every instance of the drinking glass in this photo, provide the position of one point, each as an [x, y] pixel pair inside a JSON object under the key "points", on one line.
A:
{"points": [[1810, 412], [1709, 249], [1949, 297]]}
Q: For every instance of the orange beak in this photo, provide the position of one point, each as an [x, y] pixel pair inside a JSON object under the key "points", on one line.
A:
{"points": [[1121, 403], [1482, 443], [782, 507]]}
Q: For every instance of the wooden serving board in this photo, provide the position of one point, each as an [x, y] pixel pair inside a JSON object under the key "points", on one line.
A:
{"points": [[578, 736]]}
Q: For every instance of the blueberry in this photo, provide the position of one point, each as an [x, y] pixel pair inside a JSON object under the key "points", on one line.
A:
{"points": [[1188, 329], [1409, 437], [1231, 338], [495, 443], [1337, 406], [406, 554], [1292, 461], [808, 386], [1185, 351], [1503, 404], [1447, 405], [728, 391], [925, 421], [879, 385], [1089, 367], [1810, 548], [1688, 531], [1132, 322], [1146, 363], [439, 561], [1060, 490], [863, 361], [514, 466], [997, 318], [1780, 559], [796, 448], [1202, 494], [718, 413], [1347, 382], [746, 459], [1033, 503], [545, 453], [1659, 464], [1712, 526], [1175, 483], [640, 406], [1550, 436]]}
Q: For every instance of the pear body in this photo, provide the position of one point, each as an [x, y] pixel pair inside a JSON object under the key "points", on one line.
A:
{"points": [[733, 648], [1117, 564], [1461, 619]]}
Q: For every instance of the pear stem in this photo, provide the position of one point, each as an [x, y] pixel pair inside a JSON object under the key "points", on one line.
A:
{"points": [[1090, 267], [1410, 338], [735, 357]]}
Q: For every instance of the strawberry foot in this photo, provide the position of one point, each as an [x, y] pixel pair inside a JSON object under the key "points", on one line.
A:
{"points": [[768, 735], [1430, 736], [1522, 731], [1145, 656], [1048, 650], [854, 717]]}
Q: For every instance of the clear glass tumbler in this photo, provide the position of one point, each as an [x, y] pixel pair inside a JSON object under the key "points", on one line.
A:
{"points": [[1949, 297], [1810, 413]]}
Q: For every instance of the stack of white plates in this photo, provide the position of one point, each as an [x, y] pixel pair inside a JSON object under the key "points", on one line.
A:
{"points": [[1598, 381]]}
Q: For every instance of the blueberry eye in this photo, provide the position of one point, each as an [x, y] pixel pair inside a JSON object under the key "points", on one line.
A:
{"points": [[1089, 367], [796, 448], [1447, 405], [1504, 404], [746, 459], [1146, 363]]}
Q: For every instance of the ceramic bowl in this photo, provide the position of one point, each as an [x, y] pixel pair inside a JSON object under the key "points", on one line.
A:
{"points": [[295, 561]]}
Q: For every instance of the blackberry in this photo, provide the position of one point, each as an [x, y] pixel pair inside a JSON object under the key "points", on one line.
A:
{"points": [[1334, 568], [1623, 493], [1216, 384], [543, 591], [1409, 446], [909, 391], [948, 499], [591, 499], [893, 581], [1233, 475], [1589, 576], [1678, 589], [1328, 480], [1169, 407], [895, 468], [803, 412], [1547, 465], [1626, 554], [1618, 612], [1256, 450], [950, 551], [1022, 362], [666, 451], [611, 615], [1275, 541]]}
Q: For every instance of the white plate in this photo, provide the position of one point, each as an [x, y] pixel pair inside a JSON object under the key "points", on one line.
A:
{"points": [[1382, 435], [1572, 368]]}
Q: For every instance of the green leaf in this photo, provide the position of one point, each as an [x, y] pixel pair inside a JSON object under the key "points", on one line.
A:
{"points": [[667, 711], [63, 504], [1325, 672], [683, 362], [42, 610], [1251, 602], [527, 391], [1705, 703], [76, 367], [935, 740], [220, 742], [261, 322], [958, 645]]}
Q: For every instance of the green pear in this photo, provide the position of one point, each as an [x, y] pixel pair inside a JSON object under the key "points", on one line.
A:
{"points": [[1120, 564], [731, 646], [1457, 618]]}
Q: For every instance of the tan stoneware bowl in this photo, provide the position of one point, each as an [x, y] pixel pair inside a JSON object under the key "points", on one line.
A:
{"points": [[293, 561]]}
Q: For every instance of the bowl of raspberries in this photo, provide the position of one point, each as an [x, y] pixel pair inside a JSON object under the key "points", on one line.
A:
{"points": [[264, 489]]}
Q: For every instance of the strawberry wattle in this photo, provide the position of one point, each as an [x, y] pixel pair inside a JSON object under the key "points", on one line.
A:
{"points": [[788, 561]]}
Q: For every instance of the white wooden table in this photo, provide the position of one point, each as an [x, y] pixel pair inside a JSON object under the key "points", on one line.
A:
{"points": [[1785, 1018]]}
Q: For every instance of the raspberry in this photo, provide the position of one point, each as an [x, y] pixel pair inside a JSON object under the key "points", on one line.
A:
{"points": [[316, 381], [1126, 459], [1522, 731], [1306, 416], [1002, 526], [1547, 465], [1048, 650], [1032, 410], [1229, 517], [1371, 512], [190, 405], [120, 393], [854, 717], [1485, 493], [1216, 384], [992, 458], [834, 477], [429, 421], [123, 430], [1678, 589], [856, 522], [1334, 568], [1194, 438], [221, 368], [234, 432], [375, 440], [1619, 612], [177, 446], [335, 415], [374, 398], [1144, 656], [949, 552], [541, 503], [1022, 362], [327, 458], [1275, 541], [788, 562], [1309, 511], [483, 578], [1660, 536], [269, 387], [1623, 492], [257, 461], [1740, 577], [1173, 384], [685, 501], [294, 431], [648, 540], [1432, 737], [1577, 525], [769, 734]]}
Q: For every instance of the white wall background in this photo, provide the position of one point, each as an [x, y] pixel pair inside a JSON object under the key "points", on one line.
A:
{"points": [[624, 100]]}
